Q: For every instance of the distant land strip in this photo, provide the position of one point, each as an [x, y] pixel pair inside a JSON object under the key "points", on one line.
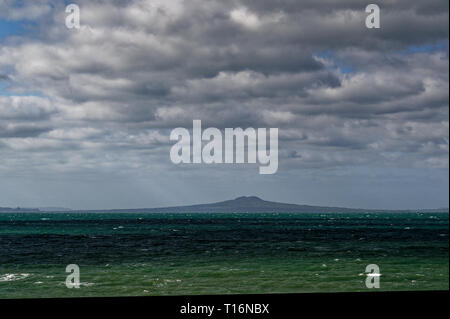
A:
{"points": [[243, 204]]}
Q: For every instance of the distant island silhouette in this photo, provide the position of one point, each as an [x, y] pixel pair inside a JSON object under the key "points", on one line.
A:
{"points": [[243, 204], [254, 204]]}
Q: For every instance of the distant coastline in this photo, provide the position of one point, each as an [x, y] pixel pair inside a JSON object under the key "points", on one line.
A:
{"points": [[18, 210], [243, 204]]}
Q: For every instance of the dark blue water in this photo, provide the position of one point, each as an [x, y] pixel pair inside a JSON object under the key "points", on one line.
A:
{"points": [[160, 254]]}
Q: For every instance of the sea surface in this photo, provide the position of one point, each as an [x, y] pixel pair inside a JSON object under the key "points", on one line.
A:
{"points": [[136, 254]]}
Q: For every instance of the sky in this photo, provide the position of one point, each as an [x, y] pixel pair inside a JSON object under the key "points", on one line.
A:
{"points": [[86, 114]]}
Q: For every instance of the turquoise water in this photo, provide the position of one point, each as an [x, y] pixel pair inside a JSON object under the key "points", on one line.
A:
{"points": [[133, 254]]}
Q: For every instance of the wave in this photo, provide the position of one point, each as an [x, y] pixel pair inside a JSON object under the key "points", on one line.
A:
{"points": [[13, 277]]}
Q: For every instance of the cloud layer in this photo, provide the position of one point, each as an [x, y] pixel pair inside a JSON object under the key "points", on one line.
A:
{"points": [[102, 99]]}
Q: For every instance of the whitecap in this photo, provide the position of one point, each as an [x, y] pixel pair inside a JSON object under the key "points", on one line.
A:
{"points": [[171, 280], [86, 284], [13, 277]]}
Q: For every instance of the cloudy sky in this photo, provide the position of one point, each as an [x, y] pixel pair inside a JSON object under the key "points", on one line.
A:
{"points": [[85, 115]]}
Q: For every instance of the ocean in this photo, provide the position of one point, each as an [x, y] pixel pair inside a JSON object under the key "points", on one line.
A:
{"points": [[143, 254]]}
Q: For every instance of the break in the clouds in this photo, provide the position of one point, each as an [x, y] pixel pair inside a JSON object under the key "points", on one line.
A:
{"points": [[85, 114]]}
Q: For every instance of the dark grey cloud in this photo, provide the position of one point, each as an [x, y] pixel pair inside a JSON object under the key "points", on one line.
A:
{"points": [[26, 108], [22, 131]]}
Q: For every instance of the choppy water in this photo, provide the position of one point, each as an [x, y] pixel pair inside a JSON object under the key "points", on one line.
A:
{"points": [[131, 254]]}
